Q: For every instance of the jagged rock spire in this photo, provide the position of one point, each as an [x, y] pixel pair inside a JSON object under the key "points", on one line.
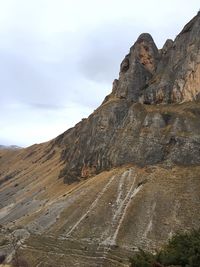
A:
{"points": [[136, 69], [122, 131], [171, 75]]}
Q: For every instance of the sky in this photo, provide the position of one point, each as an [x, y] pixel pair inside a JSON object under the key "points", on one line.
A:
{"points": [[58, 58]]}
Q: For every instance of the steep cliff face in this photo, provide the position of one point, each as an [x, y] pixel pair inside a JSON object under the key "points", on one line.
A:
{"points": [[122, 132], [124, 129], [171, 75], [130, 170], [137, 69]]}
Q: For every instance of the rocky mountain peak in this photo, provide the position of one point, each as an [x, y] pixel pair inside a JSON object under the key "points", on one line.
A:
{"points": [[192, 25], [136, 69], [124, 129], [146, 52], [170, 75]]}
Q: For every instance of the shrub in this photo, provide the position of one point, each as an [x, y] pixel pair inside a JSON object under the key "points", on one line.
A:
{"points": [[19, 262], [143, 259], [182, 249], [2, 258]]}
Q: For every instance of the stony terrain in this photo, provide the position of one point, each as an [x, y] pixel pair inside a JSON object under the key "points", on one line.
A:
{"points": [[125, 177], [102, 220]]}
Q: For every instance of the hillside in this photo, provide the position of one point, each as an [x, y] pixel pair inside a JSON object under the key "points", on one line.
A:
{"points": [[125, 177]]}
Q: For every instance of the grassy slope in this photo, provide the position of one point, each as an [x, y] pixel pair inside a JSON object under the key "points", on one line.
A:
{"points": [[34, 197]]}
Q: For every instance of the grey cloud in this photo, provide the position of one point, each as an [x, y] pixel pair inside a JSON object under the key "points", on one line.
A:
{"points": [[43, 75], [53, 62], [45, 106], [106, 46]]}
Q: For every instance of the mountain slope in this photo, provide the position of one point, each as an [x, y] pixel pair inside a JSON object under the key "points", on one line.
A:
{"points": [[130, 170], [121, 131], [102, 220]]}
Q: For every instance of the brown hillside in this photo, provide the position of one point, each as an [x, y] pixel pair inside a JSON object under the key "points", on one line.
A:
{"points": [[128, 176]]}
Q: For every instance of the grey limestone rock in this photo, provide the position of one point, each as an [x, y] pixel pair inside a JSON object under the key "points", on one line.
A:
{"points": [[169, 75], [130, 126]]}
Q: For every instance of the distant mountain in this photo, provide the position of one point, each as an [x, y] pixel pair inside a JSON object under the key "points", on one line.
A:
{"points": [[12, 147], [127, 177]]}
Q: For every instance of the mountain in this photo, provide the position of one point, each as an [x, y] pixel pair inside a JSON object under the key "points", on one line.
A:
{"points": [[125, 177], [13, 147]]}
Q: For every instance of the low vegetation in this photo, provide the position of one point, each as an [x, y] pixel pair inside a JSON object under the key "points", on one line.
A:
{"points": [[182, 250]]}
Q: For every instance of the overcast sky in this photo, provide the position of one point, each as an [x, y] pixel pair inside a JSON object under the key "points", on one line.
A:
{"points": [[58, 58]]}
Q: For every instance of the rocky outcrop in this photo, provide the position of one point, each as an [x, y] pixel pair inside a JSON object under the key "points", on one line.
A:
{"points": [[171, 75], [136, 69], [124, 129], [177, 77], [122, 132]]}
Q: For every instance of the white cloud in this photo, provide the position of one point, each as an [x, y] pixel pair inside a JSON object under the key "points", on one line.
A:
{"points": [[59, 57]]}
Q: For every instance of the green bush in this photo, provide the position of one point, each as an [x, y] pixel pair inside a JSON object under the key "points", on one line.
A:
{"points": [[142, 259], [182, 249]]}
